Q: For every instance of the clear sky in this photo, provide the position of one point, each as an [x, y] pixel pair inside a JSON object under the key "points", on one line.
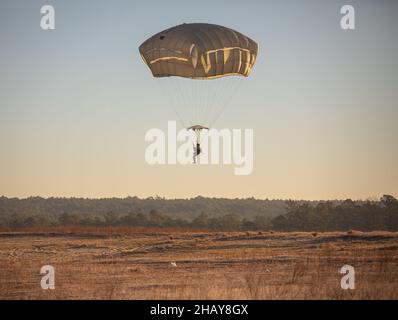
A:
{"points": [[75, 102]]}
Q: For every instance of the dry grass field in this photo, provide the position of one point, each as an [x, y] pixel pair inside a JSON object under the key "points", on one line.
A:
{"points": [[128, 263]]}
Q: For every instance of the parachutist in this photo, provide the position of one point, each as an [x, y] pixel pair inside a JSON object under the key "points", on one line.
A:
{"points": [[196, 151], [200, 53]]}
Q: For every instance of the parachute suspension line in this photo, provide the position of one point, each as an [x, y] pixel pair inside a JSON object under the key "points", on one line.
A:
{"points": [[235, 88], [220, 94], [213, 88], [191, 99], [177, 92], [202, 99], [196, 98], [171, 100], [220, 97], [183, 93], [229, 91], [180, 94], [197, 101], [204, 90], [188, 103]]}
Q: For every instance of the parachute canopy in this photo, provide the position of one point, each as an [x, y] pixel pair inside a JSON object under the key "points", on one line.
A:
{"points": [[199, 51]]}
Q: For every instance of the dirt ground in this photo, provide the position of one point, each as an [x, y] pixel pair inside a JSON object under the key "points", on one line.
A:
{"points": [[173, 264]]}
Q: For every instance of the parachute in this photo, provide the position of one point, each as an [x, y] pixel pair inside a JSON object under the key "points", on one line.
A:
{"points": [[182, 57], [199, 51]]}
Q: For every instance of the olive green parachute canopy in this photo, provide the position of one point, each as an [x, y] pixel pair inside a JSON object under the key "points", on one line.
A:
{"points": [[199, 51]]}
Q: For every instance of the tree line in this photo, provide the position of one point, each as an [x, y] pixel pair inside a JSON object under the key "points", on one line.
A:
{"points": [[221, 214]]}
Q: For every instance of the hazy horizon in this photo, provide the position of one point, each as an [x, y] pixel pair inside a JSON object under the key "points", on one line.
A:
{"points": [[374, 198], [76, 102]]}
